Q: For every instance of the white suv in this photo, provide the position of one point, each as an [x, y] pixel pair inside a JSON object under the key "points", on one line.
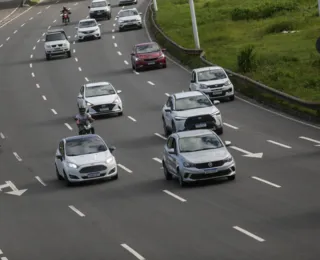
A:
{"points": [[56, 44], [100, 9], [129, 18]]}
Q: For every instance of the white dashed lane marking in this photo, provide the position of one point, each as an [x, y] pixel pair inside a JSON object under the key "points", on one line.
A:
{"points": [[309, 139], [119, 53], [15, 31], [115, 45], [157, 160], [79, 69], [49, 27], [86, 79], [133, 252], [125, 62], [74, 50], [31, 18], [22, 24], [37, 85], [8, 39], [151, 83], [167, 94], [76, 59], [34, 47], [68, 126], [77, 211], [30, 65], [32, 74], [41, 181], [249, 234], [231, 126], [44, 97], [1, 45], [161, 136], [112, 30], [266, 182], [279, 144], [38, 40], [113, 37], [31, 56], [124, 168], [114, 24], [39, 12], [131, 118], [137, 73], [17, 156], [2, 136], [53, 111], [174, 196], [43, 34]]}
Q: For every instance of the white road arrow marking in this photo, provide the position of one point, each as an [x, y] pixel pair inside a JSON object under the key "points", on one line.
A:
{"points": [[246, 153], [15, 191]]}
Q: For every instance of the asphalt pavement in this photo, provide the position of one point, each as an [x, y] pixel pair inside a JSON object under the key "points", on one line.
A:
{"points": [[270, 212]]}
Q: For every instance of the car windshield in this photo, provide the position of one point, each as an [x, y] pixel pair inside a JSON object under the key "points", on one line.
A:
{"points": [[87, 24], [208, 75], [148, 48], [128, 13], [192, 103], [101, 90], [84, 146], [99, 4], [55, 37], [199, 143]]}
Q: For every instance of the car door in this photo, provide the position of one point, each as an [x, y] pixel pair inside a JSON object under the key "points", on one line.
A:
{"points": [[59, 162], [168, 114], [172, 158], [167, 157], [193, 81]]}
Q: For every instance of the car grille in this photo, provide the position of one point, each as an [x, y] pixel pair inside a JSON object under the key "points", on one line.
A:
{"points": [[98, 107], [210, 175], [56, 45], [88, 32], [192, 122], [216, 86], [153, 59], [95, 168], [212, 164]]}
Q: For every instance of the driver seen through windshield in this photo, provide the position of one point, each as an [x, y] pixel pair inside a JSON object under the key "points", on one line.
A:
{"points": [[199, 143], [100, 91], [192, 103], [211, 75]]}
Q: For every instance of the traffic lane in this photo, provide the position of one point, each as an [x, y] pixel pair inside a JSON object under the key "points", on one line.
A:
{"points": [[135, 203], [52, 223]]}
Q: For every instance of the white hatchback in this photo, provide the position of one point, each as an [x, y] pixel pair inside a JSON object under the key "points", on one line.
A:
{"points": [[88, 29]]}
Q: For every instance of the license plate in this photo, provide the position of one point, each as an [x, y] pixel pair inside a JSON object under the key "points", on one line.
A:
{"points": [[201, 125], [94, 174], [216, 93], [214, 170], [104, 109], [151, 63]]}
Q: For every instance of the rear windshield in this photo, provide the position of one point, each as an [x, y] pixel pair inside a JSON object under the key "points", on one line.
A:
{"points": [[55, 37]]}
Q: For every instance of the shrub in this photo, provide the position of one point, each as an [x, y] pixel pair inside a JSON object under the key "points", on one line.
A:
{"points": [[281, 26], [246, 59]]}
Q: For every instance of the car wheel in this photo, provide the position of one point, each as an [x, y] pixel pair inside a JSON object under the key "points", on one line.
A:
{"points": [[99, 37], [220, 131], [48, 56], [181, 181], [68, 183], [120, 113], [167, 174], [69, 54], [231, 98], [164, 66], [59, 177], [232, 178], [115, 177]]}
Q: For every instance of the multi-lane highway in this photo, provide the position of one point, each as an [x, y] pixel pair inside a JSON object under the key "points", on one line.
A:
{"points": [[270, 212]]}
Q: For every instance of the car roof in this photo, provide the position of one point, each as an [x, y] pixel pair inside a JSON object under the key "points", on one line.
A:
{"points": [[81, 137], [207, 68], [145, 43], [55, 31], [187, 94], [87, 20], [192, 133], [94, 84]]}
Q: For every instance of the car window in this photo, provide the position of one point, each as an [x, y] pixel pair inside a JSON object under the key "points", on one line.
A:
{"points": [[147, 48], [101, 90], [55, 37], [86, 24], [169, 143], [169, 102], [85, 145], [214, 74], [192, 103], [61, 148], [193, 76], [82, 90], [199, 143], [128, 13], [99, 4]]}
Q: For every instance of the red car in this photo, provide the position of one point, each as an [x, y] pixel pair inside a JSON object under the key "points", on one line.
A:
{"points": [[146, 55]]}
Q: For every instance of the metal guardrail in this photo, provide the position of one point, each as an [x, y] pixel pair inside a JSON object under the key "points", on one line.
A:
{"points": [[244, 85]]}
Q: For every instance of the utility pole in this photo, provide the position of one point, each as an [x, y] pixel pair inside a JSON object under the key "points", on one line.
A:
{"points": [[194, 24], [155, 5]]}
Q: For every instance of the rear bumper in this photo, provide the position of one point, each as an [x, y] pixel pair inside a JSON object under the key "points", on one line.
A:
{"points": [[56, 53], [150, 64]]}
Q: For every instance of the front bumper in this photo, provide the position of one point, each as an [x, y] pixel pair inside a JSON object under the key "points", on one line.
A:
{"points": [[74, 175], [84, 36], [53, 52], [180, 124], [194, 174], [151, 63], [100, 14], [219, 93], [105, 109], [130, 25]]}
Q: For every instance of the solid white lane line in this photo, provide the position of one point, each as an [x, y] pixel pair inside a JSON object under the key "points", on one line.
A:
{"points": [[34, 47], [14, 18], [53, 111], [30, 65], [15, 31], [115, 45], [54, 21], [309, 139], [137, 73], [157, 160], [37, 85], [131, 118], [8, 39], [22, 24], [249, 234], [17, 156], [161, 136], [266, 182], [77, 211], [124, 168], [32, 74], [0, 22], [113, 37], [119, 53], [76, 59], [279, 144], [2, 136], [125, 62], [151, 83], [231, 126], [86, 79], [174, 196], [68, 126], [41, 181], [31, 56], [79, 69], [132, 251], [167, 94], [44, 97]]}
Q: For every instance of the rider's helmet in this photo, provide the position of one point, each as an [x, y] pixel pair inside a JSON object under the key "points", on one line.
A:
{"points": [[82, 107]]}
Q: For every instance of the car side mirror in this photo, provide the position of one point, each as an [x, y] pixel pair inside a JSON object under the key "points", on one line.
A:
{"points": [[171, 151], [140, 13], [89, 7], [109, 4], [99, 24], [119, 91], [76, 27], [168, 110], [192, 81], [59, 156], [227, 143], [132, 53], [164, 49], [80, 96], [216, 102], [117, 16], [112, 149]]}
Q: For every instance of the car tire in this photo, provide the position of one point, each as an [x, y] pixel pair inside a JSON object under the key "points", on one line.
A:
{"points": [[164, 66], [68, 183], [231, 98], [115, 177], [167, 174], [220, 131], [232, 178], [182, 183], [120, 113], [69, 54], [59, 177], [48, 56]]}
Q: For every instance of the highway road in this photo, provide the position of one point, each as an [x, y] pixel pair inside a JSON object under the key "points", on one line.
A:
{"points": [[271, 211]]}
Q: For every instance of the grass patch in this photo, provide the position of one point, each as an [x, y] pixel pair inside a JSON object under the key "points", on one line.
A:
{"points": [[33, 2], [248, 39]]}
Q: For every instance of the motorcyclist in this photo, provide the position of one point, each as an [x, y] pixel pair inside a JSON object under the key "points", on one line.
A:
{"points": [[83, 117], [65, 10]]}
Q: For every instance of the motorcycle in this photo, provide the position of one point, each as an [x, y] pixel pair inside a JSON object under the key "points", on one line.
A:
{"points": [[65, 17], [84, 129]]}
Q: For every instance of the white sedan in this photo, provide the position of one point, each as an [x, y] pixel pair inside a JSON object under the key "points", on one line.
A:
{"points": [[88, 29], [84, 158]]}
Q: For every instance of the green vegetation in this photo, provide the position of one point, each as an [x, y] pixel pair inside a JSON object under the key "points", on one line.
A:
{"points": [[247, 37], [33, 2]]}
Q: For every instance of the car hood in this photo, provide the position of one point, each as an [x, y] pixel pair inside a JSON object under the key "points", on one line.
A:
{"points": [[129, 18], [57, 42], [107, 99], [197, 112], [88, 29], [151, 55], [206, 156], [103, 8], [90, 158], [213, 82]]}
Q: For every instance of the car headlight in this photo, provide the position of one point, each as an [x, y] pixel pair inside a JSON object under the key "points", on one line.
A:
{"points": [[228, 159], [96, 30], [227, 83], [161, 56], [47, 46], [72, 165], [110, 160], [180, 118], [188, 165], [116, 101], [65, 45], [203, 86], [88, 103], [217, 113], [136, 59]]}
